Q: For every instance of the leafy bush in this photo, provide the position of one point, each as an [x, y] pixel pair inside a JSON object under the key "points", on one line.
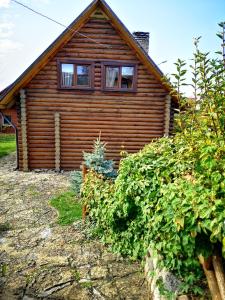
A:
{"points": [[170, 195], [175, 206], [97, 193]]}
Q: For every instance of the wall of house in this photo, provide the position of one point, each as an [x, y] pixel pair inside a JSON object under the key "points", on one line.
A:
{"points": [[13, 114], [126, 120]]}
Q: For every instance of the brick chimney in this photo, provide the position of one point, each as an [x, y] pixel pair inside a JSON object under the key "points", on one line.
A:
{"points": [[143, 39]]}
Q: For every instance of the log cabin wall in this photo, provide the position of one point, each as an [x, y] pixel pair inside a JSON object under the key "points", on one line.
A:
{"points": [[125, 119]]}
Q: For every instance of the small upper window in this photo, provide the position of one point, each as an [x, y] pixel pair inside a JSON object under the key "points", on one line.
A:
{"points": [[119, 77], [75, 75], [7, 120]]}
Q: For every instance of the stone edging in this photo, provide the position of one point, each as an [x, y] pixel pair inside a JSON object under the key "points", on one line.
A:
{"points": [[153, 274]]}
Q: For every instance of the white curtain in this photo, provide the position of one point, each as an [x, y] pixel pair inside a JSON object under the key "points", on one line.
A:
{"points": [[111, 75], [67, 79]]}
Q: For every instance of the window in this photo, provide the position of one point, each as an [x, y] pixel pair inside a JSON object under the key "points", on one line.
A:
{"points": [[7, 120], [119, 77], [67, 75], [75, 75]]}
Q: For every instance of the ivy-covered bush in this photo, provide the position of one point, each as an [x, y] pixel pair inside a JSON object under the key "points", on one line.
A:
{"points": [[166, 198], [97, 193], [171, 194]]}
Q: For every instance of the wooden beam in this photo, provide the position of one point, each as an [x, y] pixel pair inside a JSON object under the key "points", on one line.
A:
{"points": [[167, 116], [211, 278], [24, 129], [11, 104], [57, 141], [219, 272]]}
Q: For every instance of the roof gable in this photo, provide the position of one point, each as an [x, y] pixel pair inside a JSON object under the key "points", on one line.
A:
{"points": [[94, 9]]}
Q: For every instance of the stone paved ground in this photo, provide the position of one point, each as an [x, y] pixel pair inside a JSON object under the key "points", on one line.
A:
{"points": [[41, 260]]}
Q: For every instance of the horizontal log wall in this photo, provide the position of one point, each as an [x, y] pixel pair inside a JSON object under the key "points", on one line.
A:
{"points": [[128, 120]]}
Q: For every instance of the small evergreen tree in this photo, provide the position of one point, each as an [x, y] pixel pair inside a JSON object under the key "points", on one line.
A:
{"points": [[96, 160]]}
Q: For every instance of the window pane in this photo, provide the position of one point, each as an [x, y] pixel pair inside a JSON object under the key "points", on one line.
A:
{"points": [[82, 80], [112, 77], [129, 71], [127, 77], [83, 75], [82, 70], [7, 120], [67, 75]]}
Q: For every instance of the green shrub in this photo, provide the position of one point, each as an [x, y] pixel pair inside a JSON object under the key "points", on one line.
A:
{"points": [[175, 206], [76, 182], [97, 193]]}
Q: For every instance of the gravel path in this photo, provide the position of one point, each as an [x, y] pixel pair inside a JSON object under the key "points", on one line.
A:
{"points": [[41, 260]]}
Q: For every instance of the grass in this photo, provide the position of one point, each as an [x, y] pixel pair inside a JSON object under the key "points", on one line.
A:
{"points": [[69, 209], [7, 144]]}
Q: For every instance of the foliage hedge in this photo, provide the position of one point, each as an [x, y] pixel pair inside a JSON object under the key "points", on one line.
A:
{"points": [[167, 198], [170, 195]]}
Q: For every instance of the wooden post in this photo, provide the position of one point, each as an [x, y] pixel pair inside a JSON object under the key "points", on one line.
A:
{"points": [[84, 208], [167, 116], [84, 171], [57, 141], [219, 272], [211, 279], [24, 129]]}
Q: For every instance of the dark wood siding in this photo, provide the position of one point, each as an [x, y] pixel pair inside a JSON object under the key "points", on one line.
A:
{"points": [[125, 119]]}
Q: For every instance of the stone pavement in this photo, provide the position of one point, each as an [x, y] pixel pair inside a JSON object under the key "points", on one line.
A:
{"points": [[39, 259]]}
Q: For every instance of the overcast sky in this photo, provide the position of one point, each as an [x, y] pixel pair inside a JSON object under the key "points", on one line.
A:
{"points": [[172, 25]]}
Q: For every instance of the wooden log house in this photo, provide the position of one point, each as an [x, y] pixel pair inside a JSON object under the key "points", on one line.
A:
{"points": [[95, 77]]}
